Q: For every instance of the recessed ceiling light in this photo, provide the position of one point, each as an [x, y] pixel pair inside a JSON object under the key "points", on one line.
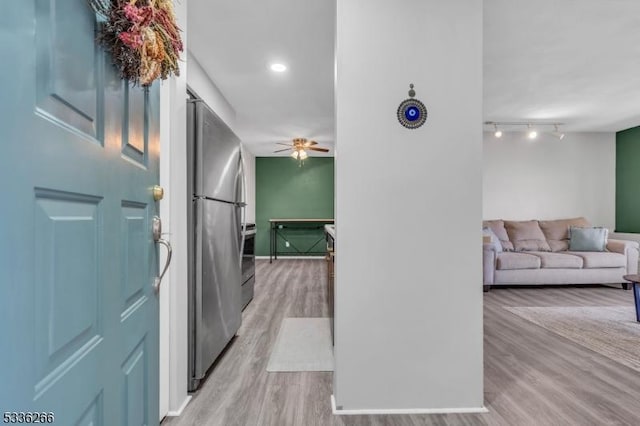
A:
{"points": [[278, 67]]}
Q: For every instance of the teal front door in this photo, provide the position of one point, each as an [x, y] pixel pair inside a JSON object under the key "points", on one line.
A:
{"points": [[79, 156]]}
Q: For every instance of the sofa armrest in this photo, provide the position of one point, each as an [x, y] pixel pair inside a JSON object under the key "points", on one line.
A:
{"points": [[629, 249], [621, 246], [488, 263]]}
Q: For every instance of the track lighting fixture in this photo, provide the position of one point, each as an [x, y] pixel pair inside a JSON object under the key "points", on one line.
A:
{"points": [[497, 133], [558, 134], [533, 128]]}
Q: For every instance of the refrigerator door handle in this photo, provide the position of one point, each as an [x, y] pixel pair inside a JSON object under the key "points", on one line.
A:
{"points": [[243, 206], [243, 229]]}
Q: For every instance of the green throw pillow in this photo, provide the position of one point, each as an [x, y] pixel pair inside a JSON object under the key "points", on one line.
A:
{"points": [[587, 239]]}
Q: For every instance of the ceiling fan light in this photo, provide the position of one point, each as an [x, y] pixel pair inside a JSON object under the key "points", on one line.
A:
{"points": [[294, 154], [303, 154]]}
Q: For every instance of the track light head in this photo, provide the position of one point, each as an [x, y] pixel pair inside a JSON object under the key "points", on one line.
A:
{"points": [[497, 133], [557, 133]]}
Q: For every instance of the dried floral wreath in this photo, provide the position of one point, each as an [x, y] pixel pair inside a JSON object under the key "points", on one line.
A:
{"points": [[142, 37]]}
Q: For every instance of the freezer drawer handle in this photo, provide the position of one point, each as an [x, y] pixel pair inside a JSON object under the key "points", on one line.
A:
{"points": [[157, 232]]}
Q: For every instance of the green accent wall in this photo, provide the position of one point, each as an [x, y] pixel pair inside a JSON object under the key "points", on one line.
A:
{"points": [[284, 190], [628, 180]]}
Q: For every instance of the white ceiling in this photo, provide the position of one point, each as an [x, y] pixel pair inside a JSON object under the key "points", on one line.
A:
{"points": [[236, 40], [570, 61]]}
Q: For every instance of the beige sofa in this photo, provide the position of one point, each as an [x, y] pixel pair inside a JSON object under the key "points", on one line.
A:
{"points": [[537, 252]]}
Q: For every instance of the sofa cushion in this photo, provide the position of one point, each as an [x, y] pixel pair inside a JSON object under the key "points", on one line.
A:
{"points": [[558, 245], [558, 260], [510, 260], [557, 231], [497, 226], [601, 259], [526, 235]]}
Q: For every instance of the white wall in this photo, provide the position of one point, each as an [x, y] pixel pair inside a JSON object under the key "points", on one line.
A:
{"points": [[173, 211], [408, 203], [202, 84], [550, 179]]}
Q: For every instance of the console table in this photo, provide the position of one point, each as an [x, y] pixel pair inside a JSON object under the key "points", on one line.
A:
{"points": [[277, 224]]}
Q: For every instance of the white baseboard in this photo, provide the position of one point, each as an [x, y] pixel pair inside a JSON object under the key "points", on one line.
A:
{"points": [[291, 257], [462, 410], [181, 409]]}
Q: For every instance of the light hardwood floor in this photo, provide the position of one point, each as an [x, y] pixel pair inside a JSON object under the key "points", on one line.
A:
{"points": [[532, 376]]}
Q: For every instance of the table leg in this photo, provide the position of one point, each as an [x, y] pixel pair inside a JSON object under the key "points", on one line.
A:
{"points": [[275, 241], [636, 297], [270, 241]]}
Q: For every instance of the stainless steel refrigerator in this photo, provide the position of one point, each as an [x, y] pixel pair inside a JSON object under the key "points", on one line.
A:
{"points": [[216, 213]]}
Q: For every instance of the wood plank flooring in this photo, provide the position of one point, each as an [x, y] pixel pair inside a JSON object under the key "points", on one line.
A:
{"points": [[532, 376]]}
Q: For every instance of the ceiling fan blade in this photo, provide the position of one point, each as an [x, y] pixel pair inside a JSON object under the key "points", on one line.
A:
{"points": [[281, 150], [282, 143], [313, 148], [309, 143]]}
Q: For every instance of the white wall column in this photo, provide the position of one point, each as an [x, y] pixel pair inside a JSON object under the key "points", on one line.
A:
{"points": [[173, 210], [408, 208]]}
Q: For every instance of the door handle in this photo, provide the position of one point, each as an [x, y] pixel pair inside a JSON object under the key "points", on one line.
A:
{"points": [[157, 237], [243, 206]]}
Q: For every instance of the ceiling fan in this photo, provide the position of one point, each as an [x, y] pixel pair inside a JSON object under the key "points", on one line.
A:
{"points": [[299, 147]]}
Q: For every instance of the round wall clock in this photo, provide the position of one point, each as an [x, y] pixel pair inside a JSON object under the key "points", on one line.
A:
{"points": [[412, 113]]}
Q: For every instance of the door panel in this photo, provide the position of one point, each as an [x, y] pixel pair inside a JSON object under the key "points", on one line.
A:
{"points": [[67, 280], [67, 65], [134, 252], [79, 317], [134, 144], [135, 371], [92, 416]]}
